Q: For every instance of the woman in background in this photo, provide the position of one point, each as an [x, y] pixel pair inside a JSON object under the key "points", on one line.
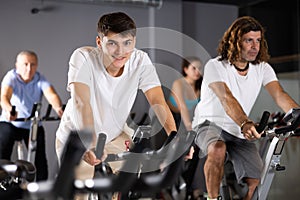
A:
{"points": [[185, 92], [184, 96]]}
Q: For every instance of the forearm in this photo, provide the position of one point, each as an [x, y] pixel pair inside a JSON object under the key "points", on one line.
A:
{"points": [[185, 116], [83, 112], [6, 94], [53, 99], [285, 102], [84, 119], [5, 105], [234, 110], [56, 105], [158, 103], [282, 99], [230, 104], [165, 117]]}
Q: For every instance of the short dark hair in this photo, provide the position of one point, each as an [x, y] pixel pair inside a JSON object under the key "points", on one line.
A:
{"points": [[231, 42], [117, 22]]}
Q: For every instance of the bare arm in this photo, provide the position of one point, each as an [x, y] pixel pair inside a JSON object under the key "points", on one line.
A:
{"points": [[84, 118], [6, 94], [281, 98], [233, 109], [158, 103], [177, 92], [53, 98]]}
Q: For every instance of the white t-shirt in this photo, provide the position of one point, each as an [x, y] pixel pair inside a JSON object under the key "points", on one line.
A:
{"points": [[244, 88], [111, 97]]}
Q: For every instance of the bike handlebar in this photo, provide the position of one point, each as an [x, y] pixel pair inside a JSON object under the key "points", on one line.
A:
{"points": [[292, 118], [263, 122], [36, 107], [175, 145], [158, 154], [100, 145], [285, 129], [125, 180], [47, 116], [291, 115]]}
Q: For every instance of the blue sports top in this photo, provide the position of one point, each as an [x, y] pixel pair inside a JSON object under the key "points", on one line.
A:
{"points": [[190, 104], [24, 95]]}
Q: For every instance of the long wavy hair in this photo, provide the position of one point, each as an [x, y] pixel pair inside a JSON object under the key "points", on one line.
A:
{"points": [[231, 44]]}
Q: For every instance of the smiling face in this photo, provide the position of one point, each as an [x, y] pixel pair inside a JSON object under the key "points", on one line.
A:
{"points": [[26, 66], [117, 49]]}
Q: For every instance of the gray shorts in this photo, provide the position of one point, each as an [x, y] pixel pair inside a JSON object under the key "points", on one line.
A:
{"points": [[244, 155]]}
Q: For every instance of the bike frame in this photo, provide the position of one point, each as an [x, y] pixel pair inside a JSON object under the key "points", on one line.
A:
{"points": [[32, 143], [271, 154], [271, 164], [35, 119]]}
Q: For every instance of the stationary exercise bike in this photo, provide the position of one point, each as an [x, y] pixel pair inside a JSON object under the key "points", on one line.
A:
{"points": [[12, 175], [135, 176], [35, 118], [277, 137], [22, 170], [273, 140]]}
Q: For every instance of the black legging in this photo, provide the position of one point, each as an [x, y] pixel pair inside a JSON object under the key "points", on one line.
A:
{"points": [[9, 134]]}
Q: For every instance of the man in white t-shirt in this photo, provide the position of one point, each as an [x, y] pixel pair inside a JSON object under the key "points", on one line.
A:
{"points": [[231, 84], [104, 81]]}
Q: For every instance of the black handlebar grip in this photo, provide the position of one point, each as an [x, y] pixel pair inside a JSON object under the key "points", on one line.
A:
{"points": [[100, 145], [170, 138], [34, 108], [13, 111], [263, 122], [285, 129], [48, 112]]}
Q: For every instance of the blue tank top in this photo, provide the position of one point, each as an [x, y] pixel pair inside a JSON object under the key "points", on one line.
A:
{"points": [[190, 104]]}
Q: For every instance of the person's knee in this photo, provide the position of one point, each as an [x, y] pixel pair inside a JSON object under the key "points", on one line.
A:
{"points": [[252, 183], [217, 152]]}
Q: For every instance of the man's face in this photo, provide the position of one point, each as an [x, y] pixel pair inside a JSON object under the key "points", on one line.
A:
{"points": [[117, 49], [26, 66], [250, 45]]}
